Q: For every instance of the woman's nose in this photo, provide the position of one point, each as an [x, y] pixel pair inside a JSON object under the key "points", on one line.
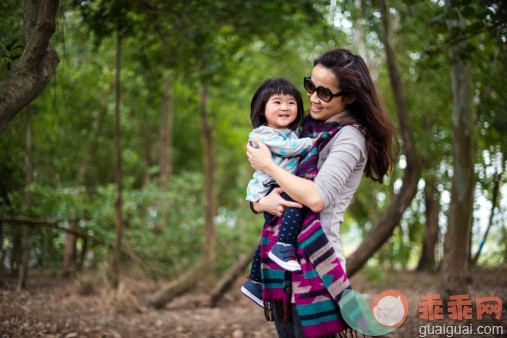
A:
{"points": [[314, 97]]}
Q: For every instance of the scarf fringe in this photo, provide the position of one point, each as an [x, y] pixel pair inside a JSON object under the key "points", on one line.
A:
{"points": [[282, 311], [268, 311], [349, 332]]}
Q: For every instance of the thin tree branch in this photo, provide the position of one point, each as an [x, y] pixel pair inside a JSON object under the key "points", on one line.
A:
{"points": [[54, 223]]}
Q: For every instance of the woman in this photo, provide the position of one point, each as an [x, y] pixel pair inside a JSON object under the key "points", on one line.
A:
{"points": [[341, 93]]}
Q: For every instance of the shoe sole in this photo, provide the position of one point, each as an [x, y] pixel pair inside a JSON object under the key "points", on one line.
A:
{"points": [[282, 263], [252, 297]]}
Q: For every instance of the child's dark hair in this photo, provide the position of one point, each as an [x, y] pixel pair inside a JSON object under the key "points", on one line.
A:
{"points": [[269, 88]]}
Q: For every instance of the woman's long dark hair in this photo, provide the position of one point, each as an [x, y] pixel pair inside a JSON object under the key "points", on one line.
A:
{"points": [[269, 88], [355, 80]]}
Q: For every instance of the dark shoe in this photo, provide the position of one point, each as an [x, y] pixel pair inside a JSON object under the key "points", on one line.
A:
{"points": [[253, 290], [285, 256]]}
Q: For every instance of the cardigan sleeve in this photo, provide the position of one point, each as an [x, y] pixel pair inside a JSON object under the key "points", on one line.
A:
{"points": [[348, 151]]}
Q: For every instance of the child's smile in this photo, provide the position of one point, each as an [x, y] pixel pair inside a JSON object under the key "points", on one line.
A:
{"points": [[280, 111]]}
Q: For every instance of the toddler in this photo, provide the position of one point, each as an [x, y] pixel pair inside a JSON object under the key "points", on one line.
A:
{"points": [[276, 112]]}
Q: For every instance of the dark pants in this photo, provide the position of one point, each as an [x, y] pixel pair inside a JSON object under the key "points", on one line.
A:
{"points": [[291, 221], [294, 329]]}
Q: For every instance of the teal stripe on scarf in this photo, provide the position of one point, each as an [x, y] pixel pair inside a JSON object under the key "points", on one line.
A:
{"points": [[271, 285], [273, 274], [310, 239], [309, 309], [264, 241], [311, 274], [320, 320]]}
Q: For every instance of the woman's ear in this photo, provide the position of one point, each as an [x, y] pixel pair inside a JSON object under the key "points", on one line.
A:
{"points": [[349, 99]]}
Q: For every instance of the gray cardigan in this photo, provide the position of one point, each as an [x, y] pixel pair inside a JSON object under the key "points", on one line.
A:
{"points": [[341, 165]]}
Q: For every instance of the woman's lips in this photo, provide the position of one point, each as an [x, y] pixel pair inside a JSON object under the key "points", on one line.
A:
{"points": [[315, 109]]}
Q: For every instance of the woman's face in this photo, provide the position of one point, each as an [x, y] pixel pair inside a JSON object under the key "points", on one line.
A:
{"points": [[321, 110]]}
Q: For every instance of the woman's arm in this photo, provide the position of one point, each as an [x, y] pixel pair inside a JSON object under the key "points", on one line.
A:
{"points": [[300, 189]]}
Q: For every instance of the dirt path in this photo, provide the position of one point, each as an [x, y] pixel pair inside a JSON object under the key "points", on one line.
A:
{"points": [[51, 307]]}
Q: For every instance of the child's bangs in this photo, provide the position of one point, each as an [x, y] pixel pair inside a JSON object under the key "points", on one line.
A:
{"points": [[283, 88]]}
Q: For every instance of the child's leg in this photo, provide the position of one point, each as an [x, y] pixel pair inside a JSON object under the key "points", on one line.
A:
{"points": [[283, 252], [291, 221], [255, 271], [253, 287]]}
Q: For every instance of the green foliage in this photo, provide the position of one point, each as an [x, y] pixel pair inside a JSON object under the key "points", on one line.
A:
{"points": [[11, 51], [230, 47]]}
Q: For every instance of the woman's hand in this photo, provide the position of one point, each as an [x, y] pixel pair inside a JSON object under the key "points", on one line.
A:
{"points": [[274, 203], [260, 158]]}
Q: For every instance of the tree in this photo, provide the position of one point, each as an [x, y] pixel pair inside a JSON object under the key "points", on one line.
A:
{"points": [[107, 18], [456, 248], [37, 64], [431, 229], [497, 179], [166, 132], [384, 227]]}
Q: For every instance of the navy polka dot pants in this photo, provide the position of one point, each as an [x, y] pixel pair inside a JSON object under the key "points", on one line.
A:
{"points": [[291, 221]]}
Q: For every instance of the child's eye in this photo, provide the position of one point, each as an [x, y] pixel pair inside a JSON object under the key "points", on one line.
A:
{"points": [[277, 102], [292, 102]]}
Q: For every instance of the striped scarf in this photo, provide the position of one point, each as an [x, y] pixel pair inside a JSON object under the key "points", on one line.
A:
{"points": [[318, 287]]}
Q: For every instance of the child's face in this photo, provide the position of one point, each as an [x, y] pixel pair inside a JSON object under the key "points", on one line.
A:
{"points": [[281, 111]]}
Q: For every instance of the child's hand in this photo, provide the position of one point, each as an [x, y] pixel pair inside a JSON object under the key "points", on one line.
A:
{"points": [[315, 139]]}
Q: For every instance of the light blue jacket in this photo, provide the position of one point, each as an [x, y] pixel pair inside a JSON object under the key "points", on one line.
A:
{"points": [[286, 147]]}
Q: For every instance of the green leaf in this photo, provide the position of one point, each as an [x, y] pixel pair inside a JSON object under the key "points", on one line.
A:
{"points": [[468, 11], [455, 30], [437, 19], [476, 27], [452, 14]]}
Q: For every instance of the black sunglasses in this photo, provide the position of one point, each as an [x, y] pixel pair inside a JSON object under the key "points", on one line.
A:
{"points": [[323, 93]]}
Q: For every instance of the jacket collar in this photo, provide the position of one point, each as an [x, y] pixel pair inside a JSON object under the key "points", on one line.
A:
{"points": [[345, 117]]}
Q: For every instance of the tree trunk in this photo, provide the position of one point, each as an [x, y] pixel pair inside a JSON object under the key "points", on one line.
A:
{"points": [[69, 255], [145, 132], [15, 252], [386, 224], [431, 228], [165, 149], [497, 179], [455, 262], [37, 64], [190, 279], [504, 235], [82, 253], [230, 276], [208, 144], [115, 276], [166, 133], [25, 231], [2, 255], [45, 254]]}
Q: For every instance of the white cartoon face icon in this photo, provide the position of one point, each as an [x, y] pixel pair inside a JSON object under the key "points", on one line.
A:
{"points": [[389, 311]]}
